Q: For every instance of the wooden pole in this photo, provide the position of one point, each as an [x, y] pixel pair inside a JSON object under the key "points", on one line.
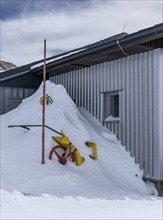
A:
{"points": [[43, 105]]}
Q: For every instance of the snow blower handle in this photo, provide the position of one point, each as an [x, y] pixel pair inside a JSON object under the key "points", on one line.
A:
{"points": [[27, 127], [53, 130]]}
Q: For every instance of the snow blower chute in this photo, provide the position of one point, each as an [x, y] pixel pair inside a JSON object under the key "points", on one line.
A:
{"points": [[68, 150], [48, 99]]}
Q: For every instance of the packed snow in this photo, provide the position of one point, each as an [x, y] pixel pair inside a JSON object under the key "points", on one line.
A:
{"points": [[112, 118], [56, 58], [18, 206], [28, 187]]}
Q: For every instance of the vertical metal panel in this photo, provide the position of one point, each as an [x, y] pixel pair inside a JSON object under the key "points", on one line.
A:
{"points": [[136, 109], [1, 101], [138, 77], [161, 112], [77, 88], [82, 88], [6, 95]]}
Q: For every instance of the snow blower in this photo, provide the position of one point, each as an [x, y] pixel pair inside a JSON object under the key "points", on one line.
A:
{"points": [[64, 145], [68, 150]]}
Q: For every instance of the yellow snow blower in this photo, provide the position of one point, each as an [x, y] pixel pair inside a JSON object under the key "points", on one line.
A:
{"points": [[65, 149], [69, 150]]}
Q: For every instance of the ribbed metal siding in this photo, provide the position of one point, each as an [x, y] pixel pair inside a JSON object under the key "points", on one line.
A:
{"points": [[134, 75], [11, 97], [161, 114]]}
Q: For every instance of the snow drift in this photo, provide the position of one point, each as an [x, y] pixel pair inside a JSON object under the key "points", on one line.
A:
{"points": [[114, 173]]}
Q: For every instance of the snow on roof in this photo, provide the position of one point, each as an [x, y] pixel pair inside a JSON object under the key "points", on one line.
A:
{"points": [[6, 65], [54, 59]]}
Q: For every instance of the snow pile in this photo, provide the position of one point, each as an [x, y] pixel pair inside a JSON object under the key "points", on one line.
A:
{"points": [[113, 175]]}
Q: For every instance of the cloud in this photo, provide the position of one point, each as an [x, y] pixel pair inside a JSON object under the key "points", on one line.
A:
{"points": [[22, 38], [17, 8]]}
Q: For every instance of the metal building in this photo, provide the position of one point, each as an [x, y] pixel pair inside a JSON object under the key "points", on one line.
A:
{"points": [[120, 81], [131, 90], [126, 95]]}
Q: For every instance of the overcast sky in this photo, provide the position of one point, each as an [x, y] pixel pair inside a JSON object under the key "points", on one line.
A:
{"points": [[68, 24]]}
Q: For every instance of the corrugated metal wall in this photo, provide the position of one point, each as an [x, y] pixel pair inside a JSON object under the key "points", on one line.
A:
{"points": [[11, 97], [133, 76]]}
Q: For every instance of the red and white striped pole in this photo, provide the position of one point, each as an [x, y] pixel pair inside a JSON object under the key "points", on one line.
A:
{"points": [[43, 105]]}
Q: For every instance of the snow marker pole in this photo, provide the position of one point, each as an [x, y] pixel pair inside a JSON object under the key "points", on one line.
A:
{"points": [[43, 106]]}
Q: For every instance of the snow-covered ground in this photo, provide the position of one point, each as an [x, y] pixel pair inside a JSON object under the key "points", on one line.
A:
{"points": [[109, 188], [18, 206]]}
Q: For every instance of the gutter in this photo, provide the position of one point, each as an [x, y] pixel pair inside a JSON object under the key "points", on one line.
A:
{"points": [[152, 31]]}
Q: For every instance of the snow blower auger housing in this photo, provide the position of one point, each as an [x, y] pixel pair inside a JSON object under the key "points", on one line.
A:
{"points": [[69, 150]]}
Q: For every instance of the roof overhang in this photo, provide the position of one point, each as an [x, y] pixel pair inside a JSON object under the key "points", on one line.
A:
{"points": [[141, 41], [112, 48]]}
